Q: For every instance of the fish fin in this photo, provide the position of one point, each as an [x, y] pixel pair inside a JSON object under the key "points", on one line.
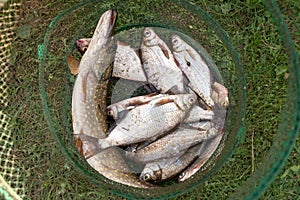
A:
{"points": [[191, 54], [202, 99], [161, 102], [73, 64], [176, 62], [84, 86], [122, 115], [78, 144], [164, 50]]}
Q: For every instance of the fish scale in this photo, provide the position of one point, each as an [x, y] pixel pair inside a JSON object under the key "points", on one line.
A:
{"points": [[194, 67], [89, 93], [111, 164], [172, 145], [159, 64], [210, 146], [167, 168], [148, 121]]}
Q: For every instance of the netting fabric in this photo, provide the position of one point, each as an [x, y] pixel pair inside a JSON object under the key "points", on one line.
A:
{"points": [[11, 186]]}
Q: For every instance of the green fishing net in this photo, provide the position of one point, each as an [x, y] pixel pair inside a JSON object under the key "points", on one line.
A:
{"points": [[233, 78], [11, 185]]}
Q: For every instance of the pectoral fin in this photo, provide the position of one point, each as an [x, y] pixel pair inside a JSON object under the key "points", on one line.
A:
{"points": [[73, 64]]}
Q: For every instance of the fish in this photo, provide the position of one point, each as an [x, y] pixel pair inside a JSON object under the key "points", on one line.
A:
{"points": [[159, 64], [73, 64], [112, 165], [169, 167], [220, 94], [102, 48], [130, 103], [84, 112], [209, 147], [197, 113], [201, 125], [88, 103], [171, 145], [127, 64], [150, 120], [194, 67], [83, 44]]}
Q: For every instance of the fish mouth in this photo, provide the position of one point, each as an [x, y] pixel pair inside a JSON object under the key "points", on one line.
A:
{"points": [[112, 16]]}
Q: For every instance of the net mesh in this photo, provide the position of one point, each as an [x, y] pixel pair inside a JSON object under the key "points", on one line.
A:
{"points": [[11, 184]]}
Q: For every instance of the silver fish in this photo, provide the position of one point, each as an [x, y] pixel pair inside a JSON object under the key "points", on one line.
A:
{"points": [[128, 104], [167, 168], [150, 120], [210, 146], [220, 94], [194, 67], [159, 64], [83, 44], [171, 145], [127, 64], [111, 164], [201, 125], [197, 113]]}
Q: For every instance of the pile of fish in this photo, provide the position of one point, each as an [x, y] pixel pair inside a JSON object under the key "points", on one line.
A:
{"points": [[170, 132]]}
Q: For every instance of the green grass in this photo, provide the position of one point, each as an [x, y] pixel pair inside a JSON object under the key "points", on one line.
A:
{"points": [[256, 39]]}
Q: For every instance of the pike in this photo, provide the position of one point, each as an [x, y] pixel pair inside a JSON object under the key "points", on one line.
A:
{"points": [[92, 65], [89, 105], [112, 165]]}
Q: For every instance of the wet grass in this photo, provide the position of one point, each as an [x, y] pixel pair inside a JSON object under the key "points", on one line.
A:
{"points": [[48, 176]]}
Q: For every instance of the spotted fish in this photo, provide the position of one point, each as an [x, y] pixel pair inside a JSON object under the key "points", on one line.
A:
{"points": [[111, 164], [92, 65], [89, 103]]}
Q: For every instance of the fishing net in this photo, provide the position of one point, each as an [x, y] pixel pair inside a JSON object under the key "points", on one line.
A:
{"points": [[11, 185]]}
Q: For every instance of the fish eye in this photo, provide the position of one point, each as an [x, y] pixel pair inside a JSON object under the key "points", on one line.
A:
{"points": [[181, 175], [188, 64], [110, 113], [84, 49], [175, 41], [146, 177], [147, 33], [191, 100]]}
